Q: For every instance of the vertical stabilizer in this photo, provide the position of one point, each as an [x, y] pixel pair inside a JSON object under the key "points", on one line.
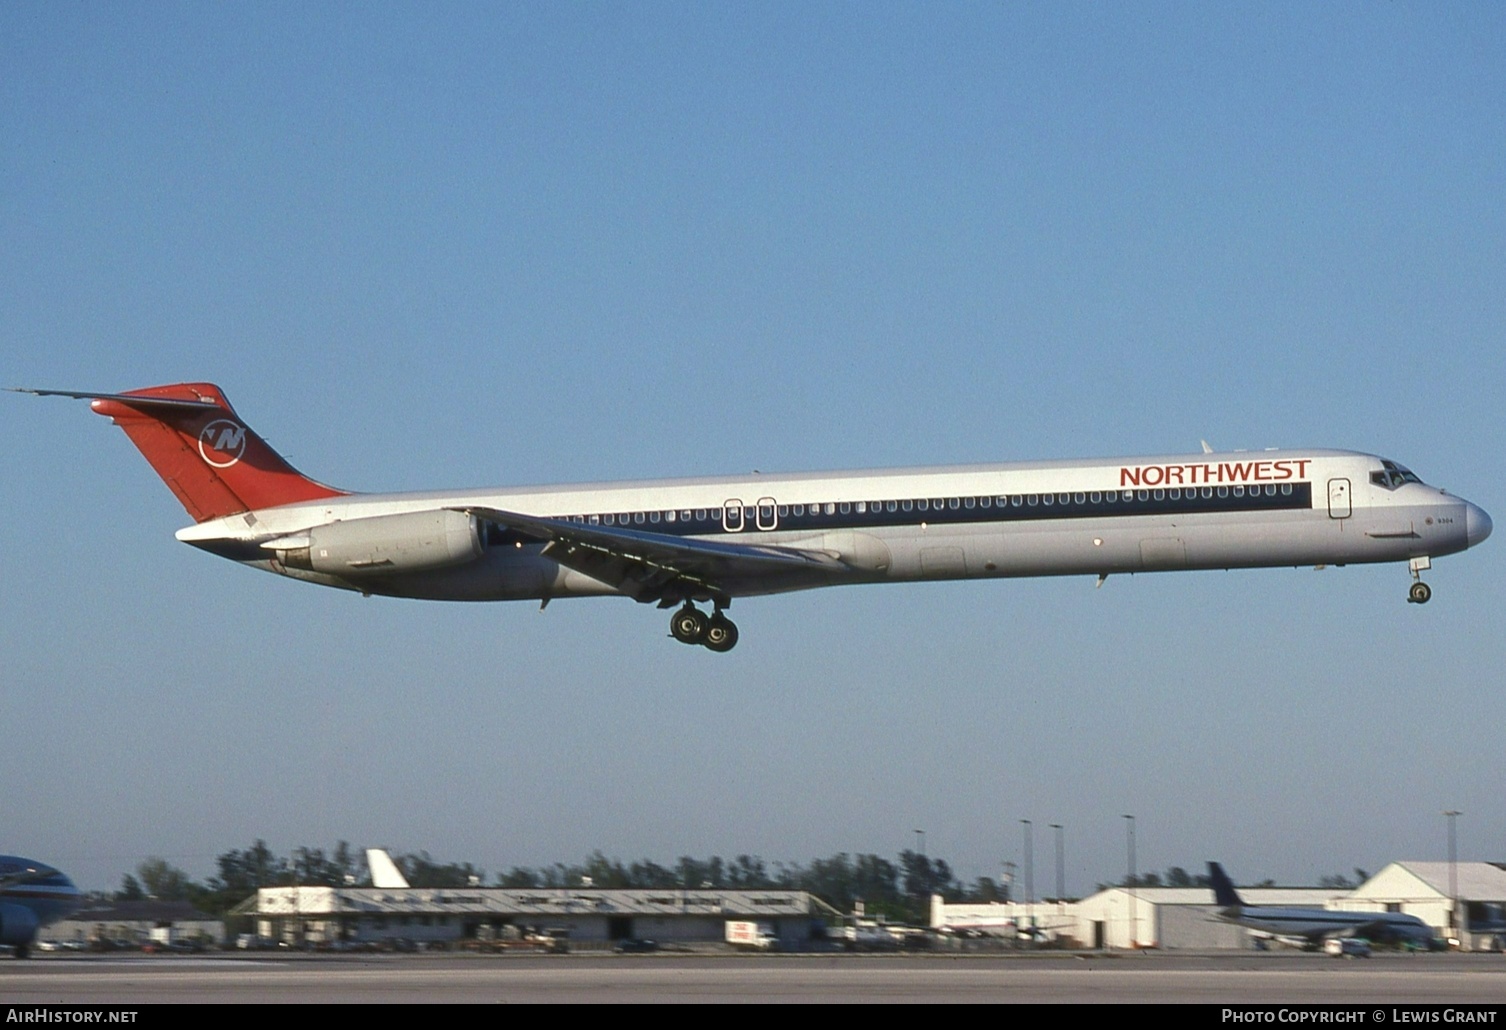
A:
{"points": [[212, 461], [384, 871], [1224, 893]]}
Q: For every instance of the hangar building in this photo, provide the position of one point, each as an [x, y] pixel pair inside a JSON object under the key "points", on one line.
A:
{"points": [[1116, 917], [1186, 917], [1422, 889], [419, 914]]}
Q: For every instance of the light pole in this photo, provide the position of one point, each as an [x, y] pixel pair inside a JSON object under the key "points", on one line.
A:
{"points": [[1453, 871], [1061, 890], [1029, 883], [923, 868], [1129, 823]]}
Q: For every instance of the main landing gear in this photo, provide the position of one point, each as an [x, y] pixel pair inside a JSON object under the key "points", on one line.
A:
{"points": [[714, 632], [1420, 592]]}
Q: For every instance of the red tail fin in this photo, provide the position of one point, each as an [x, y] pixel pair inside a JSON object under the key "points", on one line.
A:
{"points": [[207, 456]]}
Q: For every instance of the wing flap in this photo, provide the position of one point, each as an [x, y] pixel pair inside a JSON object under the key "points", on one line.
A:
{"points": [[655, 566]]}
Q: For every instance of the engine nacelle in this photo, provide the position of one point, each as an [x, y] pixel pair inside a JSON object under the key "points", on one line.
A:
{"points": [[418, 541], [18, 925]]}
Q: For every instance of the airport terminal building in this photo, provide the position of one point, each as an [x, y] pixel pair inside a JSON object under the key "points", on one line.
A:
{"points": [[322, 915]]}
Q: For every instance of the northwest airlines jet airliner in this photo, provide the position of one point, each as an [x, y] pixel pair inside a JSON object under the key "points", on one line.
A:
{"points": [[683, 542]]}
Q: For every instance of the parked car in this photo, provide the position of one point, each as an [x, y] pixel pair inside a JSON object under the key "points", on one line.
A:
{"points": [[1347, 947]]}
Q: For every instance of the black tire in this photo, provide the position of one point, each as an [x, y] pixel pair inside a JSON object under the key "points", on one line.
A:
{"points": [[688, 625], [721, 634], [1420, 593]]}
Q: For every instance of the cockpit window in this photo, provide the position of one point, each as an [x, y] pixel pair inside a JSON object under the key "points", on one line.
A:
{"points": [[1393, 475]]}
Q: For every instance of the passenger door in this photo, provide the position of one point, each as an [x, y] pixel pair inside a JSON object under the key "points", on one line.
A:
{"points": [[1339, 504]]}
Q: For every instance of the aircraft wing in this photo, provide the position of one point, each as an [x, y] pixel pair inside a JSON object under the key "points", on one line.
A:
{"points": [[656, 566], [1384, 930]]}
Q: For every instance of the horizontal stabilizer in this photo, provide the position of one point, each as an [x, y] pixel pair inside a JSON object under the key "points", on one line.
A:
{"points": [[145, 403]]}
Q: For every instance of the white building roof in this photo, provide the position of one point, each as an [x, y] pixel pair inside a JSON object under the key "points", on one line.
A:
{"points": [[1309, 896], [542, 903], [1477, 881]]}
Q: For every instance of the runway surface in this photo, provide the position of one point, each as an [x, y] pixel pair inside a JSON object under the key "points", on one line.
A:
{"points": [[1210, 979]]}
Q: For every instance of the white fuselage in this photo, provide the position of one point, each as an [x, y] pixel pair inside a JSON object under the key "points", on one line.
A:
{"points": [[1317, 923], [1095, 517]]}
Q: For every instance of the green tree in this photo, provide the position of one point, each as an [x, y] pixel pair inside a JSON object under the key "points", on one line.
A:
{"points": [[651, 875], [420, 870], [748, 873], [242, 874], [984, 890], [163, 881], [518, 878]]}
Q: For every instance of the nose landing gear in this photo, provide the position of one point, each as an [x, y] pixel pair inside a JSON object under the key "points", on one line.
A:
{"points": [[1420, 592], [716, 632]]}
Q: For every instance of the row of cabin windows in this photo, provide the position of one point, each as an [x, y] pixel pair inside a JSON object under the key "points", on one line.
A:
{"points": [[765, 512]]}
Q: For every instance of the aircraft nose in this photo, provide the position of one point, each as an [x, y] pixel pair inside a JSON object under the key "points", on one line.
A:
{"points": [[1477, 524]]}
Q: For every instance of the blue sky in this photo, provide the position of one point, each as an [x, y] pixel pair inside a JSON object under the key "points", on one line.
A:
{"points": [[463, 245]]}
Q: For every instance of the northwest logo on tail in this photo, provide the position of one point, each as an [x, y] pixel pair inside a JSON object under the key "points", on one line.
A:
{"points": [[222, 442]]}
